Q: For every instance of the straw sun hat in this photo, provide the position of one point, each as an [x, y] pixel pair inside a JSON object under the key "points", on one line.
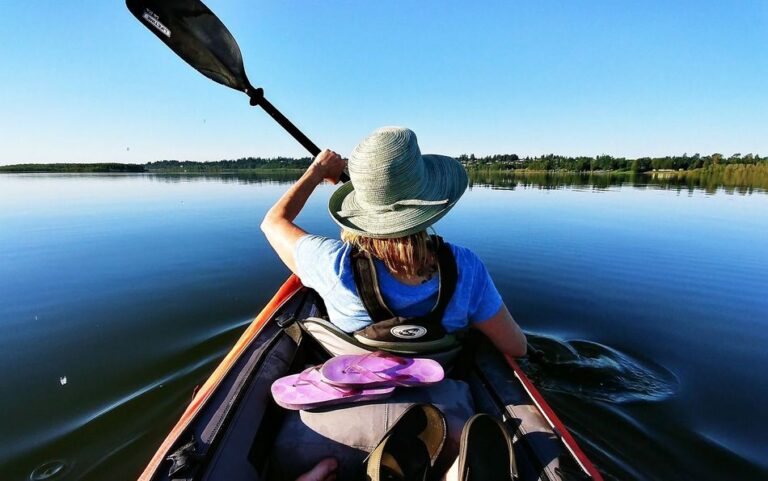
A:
{"points": [[394, 190]]}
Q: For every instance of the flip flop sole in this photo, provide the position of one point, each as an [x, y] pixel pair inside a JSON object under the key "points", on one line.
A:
{"points": [[333, 402]]}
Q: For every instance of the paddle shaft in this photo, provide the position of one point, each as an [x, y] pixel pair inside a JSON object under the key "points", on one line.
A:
{"points": [[196, 34], [257, 98]]}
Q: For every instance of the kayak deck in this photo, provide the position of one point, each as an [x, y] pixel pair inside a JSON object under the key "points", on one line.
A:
{"points": [[231, 429]]}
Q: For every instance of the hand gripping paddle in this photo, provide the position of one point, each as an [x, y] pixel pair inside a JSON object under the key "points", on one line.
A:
{"points": [[197, 35]]}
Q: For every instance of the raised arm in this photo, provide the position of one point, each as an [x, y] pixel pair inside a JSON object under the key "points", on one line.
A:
{"points": [[504, 332], [278, 225]]}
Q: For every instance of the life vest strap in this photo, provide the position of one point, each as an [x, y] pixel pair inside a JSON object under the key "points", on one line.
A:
{"points": [[368, 289], [367, 284]]}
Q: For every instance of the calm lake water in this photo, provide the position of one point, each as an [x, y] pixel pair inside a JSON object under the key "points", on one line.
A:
{"points": [[120, 293]]}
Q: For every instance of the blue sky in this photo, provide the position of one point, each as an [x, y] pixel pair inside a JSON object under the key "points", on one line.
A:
{"points": [[85, 82]]}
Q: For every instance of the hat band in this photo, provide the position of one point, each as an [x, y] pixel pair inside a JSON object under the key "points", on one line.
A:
{"points": [[347, 213]]}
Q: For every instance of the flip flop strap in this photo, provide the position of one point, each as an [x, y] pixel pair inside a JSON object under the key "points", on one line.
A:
{"points": [[304, 380], [360, 369]]}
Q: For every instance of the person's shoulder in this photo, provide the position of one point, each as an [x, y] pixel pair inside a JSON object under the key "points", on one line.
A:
{"points": [[464, 255], [320, 261], [319, 250], [470, 266], [319, 243]]}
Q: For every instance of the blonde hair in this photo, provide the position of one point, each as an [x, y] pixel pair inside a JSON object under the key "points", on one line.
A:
{"points": [[412, 255]]}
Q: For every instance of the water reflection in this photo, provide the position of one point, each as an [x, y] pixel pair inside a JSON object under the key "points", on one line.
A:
{"points": [[649, 306], [679, 181], [689, 182], [257, 178]]}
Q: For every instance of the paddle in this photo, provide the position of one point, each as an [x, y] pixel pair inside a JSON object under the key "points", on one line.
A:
{"points": [[197, 35]]}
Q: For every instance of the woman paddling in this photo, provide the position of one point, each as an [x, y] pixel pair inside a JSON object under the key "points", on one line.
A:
{"points": [[394, 195]]}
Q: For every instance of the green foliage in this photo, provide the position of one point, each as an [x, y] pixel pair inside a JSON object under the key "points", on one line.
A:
{"points": [[73, 168], [552, 162], [488, 164], [243, 164], [744, 177]]}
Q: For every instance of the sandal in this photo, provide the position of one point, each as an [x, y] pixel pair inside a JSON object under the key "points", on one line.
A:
{"points": [[486, 451], [411, 446]]}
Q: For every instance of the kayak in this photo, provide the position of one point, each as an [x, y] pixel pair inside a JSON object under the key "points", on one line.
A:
{"points": [[231, 428]]}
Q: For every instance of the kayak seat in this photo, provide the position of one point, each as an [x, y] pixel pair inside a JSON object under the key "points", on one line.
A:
{"points": [[336, 342]]}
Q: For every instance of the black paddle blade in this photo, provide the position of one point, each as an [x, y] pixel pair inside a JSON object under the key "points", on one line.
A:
{"points": [[196, 35]]}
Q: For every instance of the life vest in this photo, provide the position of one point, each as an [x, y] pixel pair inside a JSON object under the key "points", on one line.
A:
{"points": [[422, 336]]}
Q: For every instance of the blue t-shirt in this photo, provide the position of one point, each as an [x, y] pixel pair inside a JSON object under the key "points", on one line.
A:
{"points": [[324, 265]]}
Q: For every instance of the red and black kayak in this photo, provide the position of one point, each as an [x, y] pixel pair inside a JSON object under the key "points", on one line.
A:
{"points": [[233, 431]]}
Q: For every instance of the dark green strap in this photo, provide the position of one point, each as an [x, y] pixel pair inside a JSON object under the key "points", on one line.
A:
{"points": [[367, 284], [449, 276]]}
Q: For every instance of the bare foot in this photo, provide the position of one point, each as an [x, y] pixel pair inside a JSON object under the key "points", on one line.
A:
{"points": [[325, 470]]}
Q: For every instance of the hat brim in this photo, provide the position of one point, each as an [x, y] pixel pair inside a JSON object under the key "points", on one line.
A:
{"points": [[447, 179]]}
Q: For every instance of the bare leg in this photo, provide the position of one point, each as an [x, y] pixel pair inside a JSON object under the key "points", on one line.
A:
{"points": [[325, 470]]}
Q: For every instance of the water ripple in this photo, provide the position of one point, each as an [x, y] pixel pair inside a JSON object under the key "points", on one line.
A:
{"points": [[592, 371]]}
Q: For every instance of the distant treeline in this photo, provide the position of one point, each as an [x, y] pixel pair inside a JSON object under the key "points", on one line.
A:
{"points": [[492, 163], [73, 168], [606, 162], [243, 164]]}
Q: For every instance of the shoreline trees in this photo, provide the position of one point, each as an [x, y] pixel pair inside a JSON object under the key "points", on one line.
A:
{"points": [[494, 163]]}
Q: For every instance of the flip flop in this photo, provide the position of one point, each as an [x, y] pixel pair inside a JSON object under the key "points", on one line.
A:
{"points": [[379, 369], [486, 452], [307, 390]]}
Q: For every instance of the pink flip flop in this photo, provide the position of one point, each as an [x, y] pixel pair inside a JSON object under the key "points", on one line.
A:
{"points": [[380, 369], [307, 390]]}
